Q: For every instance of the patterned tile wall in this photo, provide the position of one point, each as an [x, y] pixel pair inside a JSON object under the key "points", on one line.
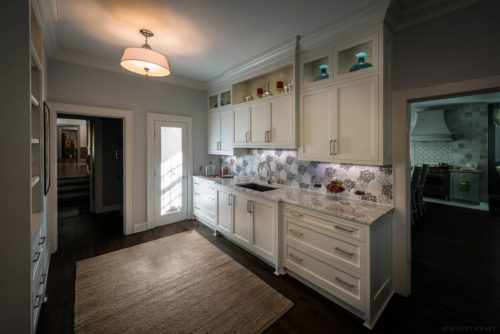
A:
{"points": [[287, 169], [469, 125]]}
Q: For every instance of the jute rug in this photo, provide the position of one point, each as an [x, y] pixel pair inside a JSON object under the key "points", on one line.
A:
{"points": [[178, 284]]}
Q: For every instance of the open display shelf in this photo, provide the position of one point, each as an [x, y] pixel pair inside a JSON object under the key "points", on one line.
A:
{"points": [[225, 98], [312, 71], [347, 58], [212, 102], [249, 86]]}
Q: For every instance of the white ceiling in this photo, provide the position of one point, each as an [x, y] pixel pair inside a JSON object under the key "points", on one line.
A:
{"points": [[201, 38]]}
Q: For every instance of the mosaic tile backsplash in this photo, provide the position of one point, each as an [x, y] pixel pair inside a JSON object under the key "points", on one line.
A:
{"points": [[287, 169]]}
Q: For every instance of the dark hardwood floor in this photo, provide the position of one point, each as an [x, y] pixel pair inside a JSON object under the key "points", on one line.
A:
{"points": [[455, 276]]}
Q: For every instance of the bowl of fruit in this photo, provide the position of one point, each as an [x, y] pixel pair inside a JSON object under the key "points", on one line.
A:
{"points": [[335, 187]]}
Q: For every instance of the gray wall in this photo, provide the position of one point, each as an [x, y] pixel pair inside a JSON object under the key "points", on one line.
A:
{"points": [[460, 45], [70, 83]]}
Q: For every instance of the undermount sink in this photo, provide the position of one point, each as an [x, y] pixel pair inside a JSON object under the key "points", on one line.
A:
{"points": [[255, 186]]}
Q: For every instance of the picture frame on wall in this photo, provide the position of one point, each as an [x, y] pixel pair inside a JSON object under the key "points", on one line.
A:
{"points": [[46, 146]]}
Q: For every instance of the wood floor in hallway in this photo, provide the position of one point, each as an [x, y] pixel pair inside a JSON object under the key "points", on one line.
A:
{"points": [[455, 275]]}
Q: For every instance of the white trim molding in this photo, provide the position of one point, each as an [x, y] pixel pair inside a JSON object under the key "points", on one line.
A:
{"points": [[128, 151], [150, 120], [401, 101], [106, 65]]}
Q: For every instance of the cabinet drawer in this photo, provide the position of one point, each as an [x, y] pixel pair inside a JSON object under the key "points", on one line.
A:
{"points": [[324, 245], [332, 224], [346, 286], [202, 183], [37, 251]]}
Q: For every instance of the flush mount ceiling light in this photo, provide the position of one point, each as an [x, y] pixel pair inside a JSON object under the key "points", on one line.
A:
{"points": [[145, 61]]}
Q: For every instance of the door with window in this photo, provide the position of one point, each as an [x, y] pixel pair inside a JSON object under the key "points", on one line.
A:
{"points": [[171, 173]]}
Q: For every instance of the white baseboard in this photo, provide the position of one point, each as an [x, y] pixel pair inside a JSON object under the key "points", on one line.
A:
{"points": [[107, 208], [140, 227]]}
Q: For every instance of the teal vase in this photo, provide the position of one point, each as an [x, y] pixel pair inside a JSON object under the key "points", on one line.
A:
{"points": [[323, 75], [361, 62]]}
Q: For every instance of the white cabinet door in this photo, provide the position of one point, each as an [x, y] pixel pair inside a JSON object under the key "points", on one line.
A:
{"points": [[282, 122], [213, 131], [224, 211], [226, 131], [260, 123], [316, 121], [242, 220], [264, 229], [356, 118], [241, 126]]}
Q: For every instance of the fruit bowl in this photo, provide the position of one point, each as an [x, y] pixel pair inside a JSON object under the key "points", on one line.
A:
{"points": [[335, 187]]}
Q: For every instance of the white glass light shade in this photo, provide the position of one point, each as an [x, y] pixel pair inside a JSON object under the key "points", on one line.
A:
{"points": [[145, 61]]}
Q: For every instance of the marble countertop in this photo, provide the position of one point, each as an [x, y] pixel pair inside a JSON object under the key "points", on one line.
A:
{"points": [[360, 211]]}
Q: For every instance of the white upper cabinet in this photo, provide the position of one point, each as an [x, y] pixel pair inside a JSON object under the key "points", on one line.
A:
{"points": [[241, 126], [356, 121], [268, 122], [316, 120], [260, 123], [345, 116], [220, 131], [213, 131], [226, 130], [282, 131]]}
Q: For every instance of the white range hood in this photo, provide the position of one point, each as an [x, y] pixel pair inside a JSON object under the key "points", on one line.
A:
{"points": [[431, 126]]}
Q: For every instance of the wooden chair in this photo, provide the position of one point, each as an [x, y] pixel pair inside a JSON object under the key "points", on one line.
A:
{"points": [[420, 190], [415, 179]]}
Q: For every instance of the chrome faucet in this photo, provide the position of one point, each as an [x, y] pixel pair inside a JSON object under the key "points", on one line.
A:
{"points": [[270, 179]]}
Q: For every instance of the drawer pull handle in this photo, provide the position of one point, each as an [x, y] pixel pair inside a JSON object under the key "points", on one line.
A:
{"points": [[197, 208], [36, 257], [338, 279], [196, 183], [295, 257], [38, 299], [197, 194], [338, 249], [42, 278], [211, 198], [296, 232], [42, 240], [296, 214], [339, 227]]}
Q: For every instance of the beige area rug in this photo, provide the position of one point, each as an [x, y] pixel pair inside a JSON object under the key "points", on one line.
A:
{"points": [[178, 284]]}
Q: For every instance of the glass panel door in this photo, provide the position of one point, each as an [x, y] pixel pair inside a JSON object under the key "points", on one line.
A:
{"points": [[170, 172]]}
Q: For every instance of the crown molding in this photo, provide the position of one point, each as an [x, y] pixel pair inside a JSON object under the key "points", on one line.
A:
{"points": [[106, 65], [279, 54], [367, 16], [358, 19]]}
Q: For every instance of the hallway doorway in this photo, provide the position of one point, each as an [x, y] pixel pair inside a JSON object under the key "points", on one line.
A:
{"points": [[90, 165]]}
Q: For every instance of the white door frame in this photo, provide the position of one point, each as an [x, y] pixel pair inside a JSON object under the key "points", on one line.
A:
{"points": [[151, 118], [128, 139], [401, 166]]}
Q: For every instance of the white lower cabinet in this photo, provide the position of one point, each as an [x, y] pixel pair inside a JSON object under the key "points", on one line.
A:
{"points": [[204, 200], [224, 222], [250, 222], [350, 263]]}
